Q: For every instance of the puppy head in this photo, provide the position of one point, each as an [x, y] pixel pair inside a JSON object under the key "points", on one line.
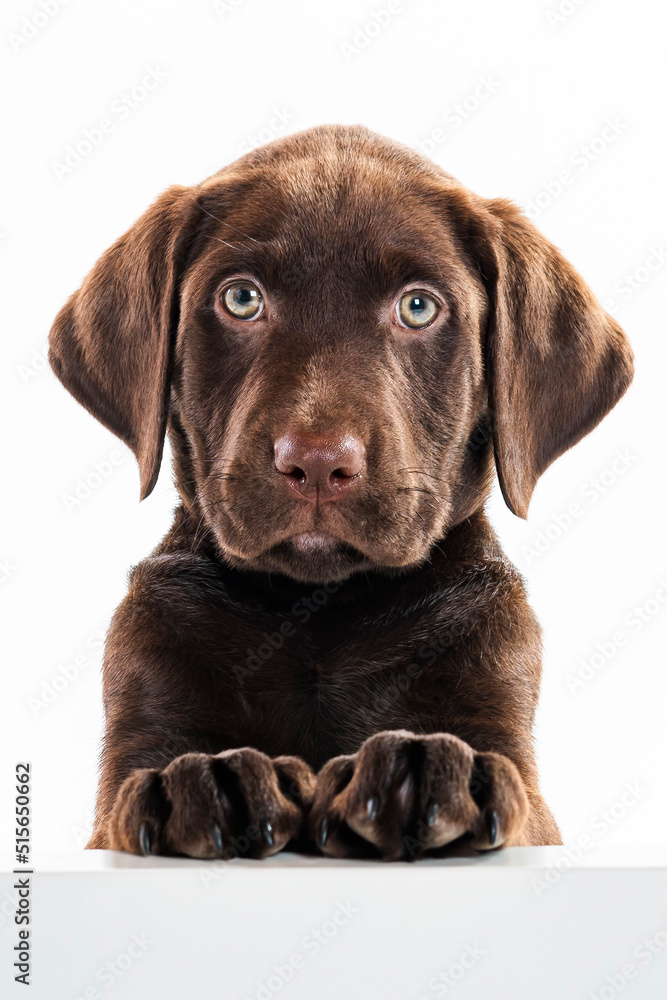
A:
{"points": [[340, 340]]}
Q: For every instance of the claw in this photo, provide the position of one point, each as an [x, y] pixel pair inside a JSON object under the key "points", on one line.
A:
{"points": [[215, 834], [268, 834], [492, 825], [372, 807], [431, 813], [324, 833], [145, 838]]}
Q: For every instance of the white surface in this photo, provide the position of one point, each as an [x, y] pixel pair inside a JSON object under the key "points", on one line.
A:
{"points": [[63, 571], [532, 925]]}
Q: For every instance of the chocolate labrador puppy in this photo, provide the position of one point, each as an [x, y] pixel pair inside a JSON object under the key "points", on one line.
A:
{"points": [[329, 648]]}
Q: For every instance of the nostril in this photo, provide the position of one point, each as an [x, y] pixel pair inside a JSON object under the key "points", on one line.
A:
{"points": [[292, 471], [319, 466]]}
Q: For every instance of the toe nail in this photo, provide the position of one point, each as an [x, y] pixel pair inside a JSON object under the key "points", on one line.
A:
{"points": [[372, 807], [324, 833], [492, 825], [216, 836], [431, 813], [145, 838], [268, 834]]}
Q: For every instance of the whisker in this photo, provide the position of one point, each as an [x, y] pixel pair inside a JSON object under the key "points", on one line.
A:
{"points": [[218, 240], [222, 223], [431, 475], [417, 489], [423, 472]]}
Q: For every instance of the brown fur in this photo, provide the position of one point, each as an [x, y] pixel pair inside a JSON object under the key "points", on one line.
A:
{"points": [[403, 663]]}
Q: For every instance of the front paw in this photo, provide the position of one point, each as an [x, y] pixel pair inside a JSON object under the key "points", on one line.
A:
{"points": [[402, 795], [240, 802]]}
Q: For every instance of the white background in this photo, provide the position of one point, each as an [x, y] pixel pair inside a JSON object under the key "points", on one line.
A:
{"points": [[554, 83]]}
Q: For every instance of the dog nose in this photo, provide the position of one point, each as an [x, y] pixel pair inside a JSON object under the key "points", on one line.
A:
{"points": [[320, 467]]}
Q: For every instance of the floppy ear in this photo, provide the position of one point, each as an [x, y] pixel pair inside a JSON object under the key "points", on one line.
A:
{"points": [[556, 361], [110, 344]]}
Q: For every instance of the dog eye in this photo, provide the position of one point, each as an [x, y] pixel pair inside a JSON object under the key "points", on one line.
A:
{"points": [[242, 299], [416, 310]]}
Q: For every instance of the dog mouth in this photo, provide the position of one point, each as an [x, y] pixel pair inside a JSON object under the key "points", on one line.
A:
{"points": [[319, 557], [314, 541], [319, 543], [313, 557]]}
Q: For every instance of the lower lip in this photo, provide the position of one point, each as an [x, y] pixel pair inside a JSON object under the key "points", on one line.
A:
{"points": [[313, 541]]}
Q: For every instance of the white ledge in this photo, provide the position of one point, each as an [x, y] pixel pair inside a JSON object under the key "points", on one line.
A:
{"points": [[521, 924]]}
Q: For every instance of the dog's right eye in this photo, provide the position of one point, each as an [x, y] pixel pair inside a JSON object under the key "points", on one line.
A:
{"points": [[242, 300], [415, 310]]}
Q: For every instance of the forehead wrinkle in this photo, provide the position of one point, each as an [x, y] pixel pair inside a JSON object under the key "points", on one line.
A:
{"points": [[337, 220], [376, 268]]}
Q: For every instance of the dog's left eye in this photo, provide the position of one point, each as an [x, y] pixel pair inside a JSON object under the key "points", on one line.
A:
{"points": [[416, 310], [242, 299]]}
